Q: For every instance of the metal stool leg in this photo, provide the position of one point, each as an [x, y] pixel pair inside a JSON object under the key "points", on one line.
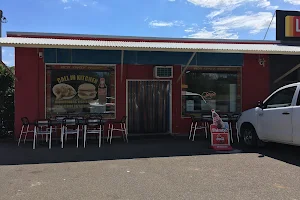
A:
{"points": [[122, 130], [195, 128], [21, 133], [34, 137], [108, 132], [84, 136], [230, 129], [100, 131], [191, 129], [126, 132], [111, 133], [77, 136], [26, 133], [237, 133]]}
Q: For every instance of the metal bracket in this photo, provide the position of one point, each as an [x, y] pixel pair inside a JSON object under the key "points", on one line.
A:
{"points": [[122, 60], [287, 73], [185, 68]]}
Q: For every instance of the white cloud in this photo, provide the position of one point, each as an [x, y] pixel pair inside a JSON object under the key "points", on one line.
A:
{"points": [[67, 7], [228, 27], [8, 56], [255, 23], [294, 2], [230, 4], [190, 30], [156, 23], [8, 62], [215, 13], [214, 34], [221, 6], [84, 3], [265, 4], [217, 3]]}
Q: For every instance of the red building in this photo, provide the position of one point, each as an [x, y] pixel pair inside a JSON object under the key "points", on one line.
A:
{"points": [[156, 82]]}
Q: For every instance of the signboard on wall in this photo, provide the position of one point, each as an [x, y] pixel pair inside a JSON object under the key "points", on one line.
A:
{"points": [[80, 90], [287, 25]]}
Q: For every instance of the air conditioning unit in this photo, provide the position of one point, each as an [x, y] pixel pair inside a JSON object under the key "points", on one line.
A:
{"points": [[163, 72]]}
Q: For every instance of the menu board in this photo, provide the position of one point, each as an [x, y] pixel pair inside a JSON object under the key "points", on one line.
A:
{"points": [[80, 90]]}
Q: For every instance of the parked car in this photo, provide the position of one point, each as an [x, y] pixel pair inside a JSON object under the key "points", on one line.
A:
{"points": [[276, 119]]}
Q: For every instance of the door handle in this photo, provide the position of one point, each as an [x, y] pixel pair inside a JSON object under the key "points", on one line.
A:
{"points": [[285, 113]]}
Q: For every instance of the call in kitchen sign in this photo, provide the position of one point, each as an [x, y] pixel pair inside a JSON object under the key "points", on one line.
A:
{"points": [[80, 89]]}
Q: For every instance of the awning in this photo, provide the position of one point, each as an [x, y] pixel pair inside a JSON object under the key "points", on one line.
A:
{"points": [[150, 46]]}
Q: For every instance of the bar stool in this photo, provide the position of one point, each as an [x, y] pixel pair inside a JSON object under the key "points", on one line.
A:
{"points": [[59, 119], [42, 127], [70, 126], [25, 129], [81, 125], [194, 126], [93, 126], [233, 120], [122, 128]]}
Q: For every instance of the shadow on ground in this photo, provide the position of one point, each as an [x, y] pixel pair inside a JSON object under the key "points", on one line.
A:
{"points": [[285, 153], [139, 147]]}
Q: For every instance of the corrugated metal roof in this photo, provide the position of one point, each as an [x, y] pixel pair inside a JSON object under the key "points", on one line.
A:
{"points": [[150, 46], [133, 38]]}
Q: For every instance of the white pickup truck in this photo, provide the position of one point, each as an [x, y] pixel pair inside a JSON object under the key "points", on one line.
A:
{"points": [[276, 119]]}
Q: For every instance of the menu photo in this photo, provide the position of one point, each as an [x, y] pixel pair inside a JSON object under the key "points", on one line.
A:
{"points": [[80, 92]]}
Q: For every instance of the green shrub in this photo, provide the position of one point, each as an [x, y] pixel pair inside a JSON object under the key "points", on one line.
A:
{"points": [[7, 107]]}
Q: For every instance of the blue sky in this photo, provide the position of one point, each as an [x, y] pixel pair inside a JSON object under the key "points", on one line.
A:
{"points": [[232, 19]]}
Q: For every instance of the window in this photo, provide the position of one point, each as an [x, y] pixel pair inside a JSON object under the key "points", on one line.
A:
{"points": [[80, 90], [282, 98], [209, 88]]}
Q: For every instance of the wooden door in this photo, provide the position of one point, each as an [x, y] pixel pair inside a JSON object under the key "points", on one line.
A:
{"points": [[148, 107]]}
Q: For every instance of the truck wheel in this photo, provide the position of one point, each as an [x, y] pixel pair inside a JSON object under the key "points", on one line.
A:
{"points": [[248, 135]]}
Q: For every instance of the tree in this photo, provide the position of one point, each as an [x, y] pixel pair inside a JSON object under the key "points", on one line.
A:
{"points": [[7, 107]]}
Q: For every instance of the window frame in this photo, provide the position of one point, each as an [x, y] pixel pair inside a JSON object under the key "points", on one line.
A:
{"points": [[213, 69], [275, 93], [298, 96], [87, 65]]}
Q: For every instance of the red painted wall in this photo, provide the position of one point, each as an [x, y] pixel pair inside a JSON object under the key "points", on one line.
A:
{"points": [[255, 80], [30, 89]]}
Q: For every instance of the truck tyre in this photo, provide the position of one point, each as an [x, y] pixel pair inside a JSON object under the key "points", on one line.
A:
{"points": [[248, 135]]}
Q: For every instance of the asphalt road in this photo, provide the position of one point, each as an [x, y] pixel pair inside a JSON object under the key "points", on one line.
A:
{"points": [[154, 169]]}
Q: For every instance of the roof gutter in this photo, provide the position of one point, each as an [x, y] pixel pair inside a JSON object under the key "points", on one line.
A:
{"points": [[144, 46], [152, 49]]}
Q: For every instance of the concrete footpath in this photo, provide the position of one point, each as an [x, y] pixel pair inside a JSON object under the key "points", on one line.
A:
{"points": [[148, 169]]}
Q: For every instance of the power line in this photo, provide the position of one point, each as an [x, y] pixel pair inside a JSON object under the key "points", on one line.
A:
{"points": [[270, 24]]}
